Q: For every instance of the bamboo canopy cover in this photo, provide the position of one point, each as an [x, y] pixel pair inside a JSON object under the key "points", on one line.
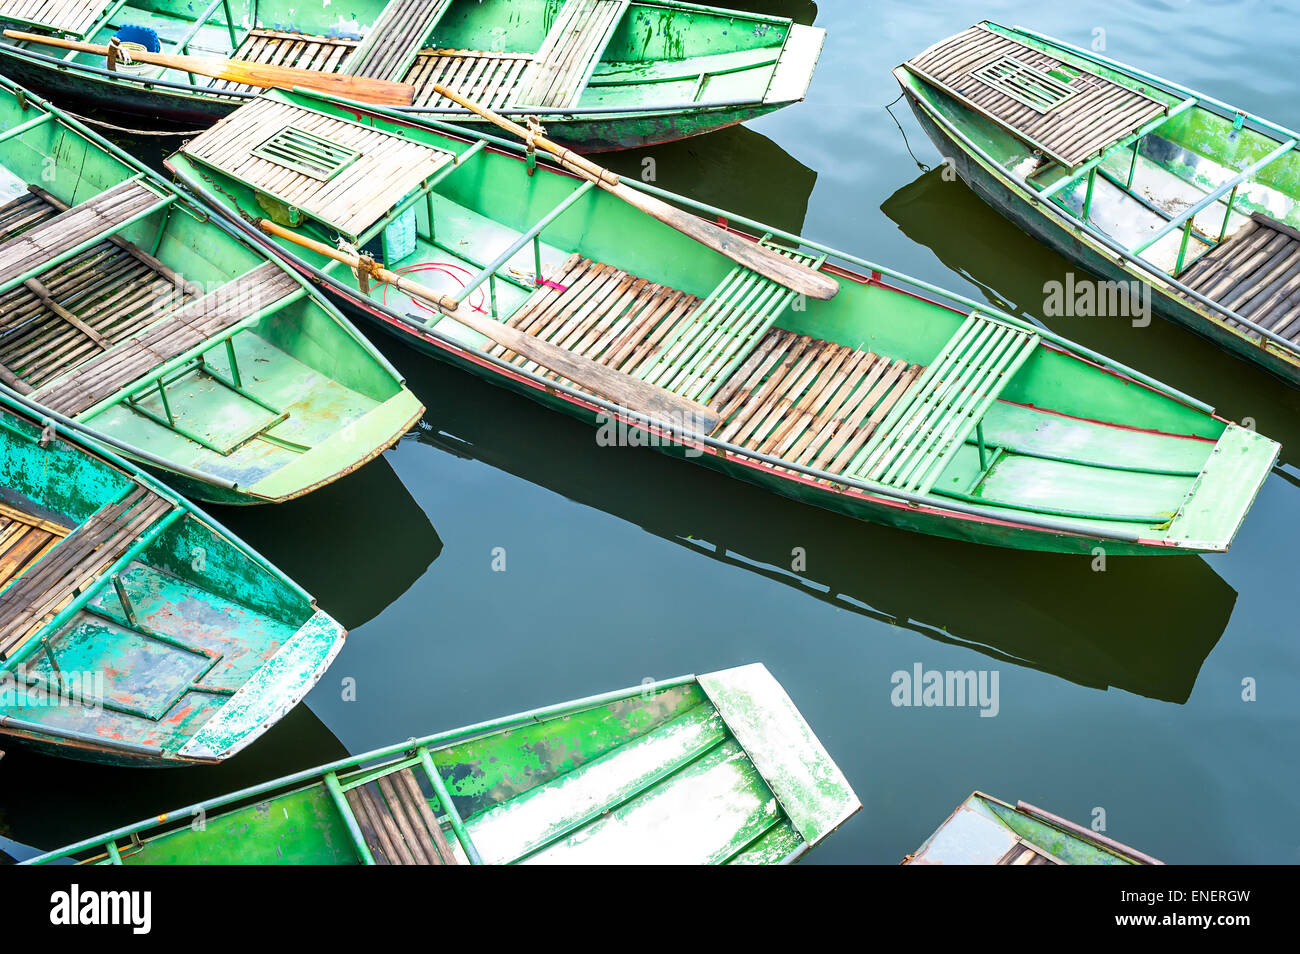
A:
{"points": [[893, 401]]}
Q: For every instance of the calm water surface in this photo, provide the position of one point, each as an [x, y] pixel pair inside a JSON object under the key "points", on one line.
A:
{"points": [[1119, 691]]}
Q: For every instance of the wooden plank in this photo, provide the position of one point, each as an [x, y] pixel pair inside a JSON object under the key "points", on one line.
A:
{"points": [[73, 17]]}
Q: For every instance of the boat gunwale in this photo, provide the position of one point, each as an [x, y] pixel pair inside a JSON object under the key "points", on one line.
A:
{"points": [[394, 752]]}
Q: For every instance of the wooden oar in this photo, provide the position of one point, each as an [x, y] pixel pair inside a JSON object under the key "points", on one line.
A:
{"points": [[361, 88], [766, 262], [612, 385]]}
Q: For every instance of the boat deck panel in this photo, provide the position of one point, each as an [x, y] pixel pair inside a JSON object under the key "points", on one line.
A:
{"points": [[303, 51], [1255, 273], [187, 327], [569, 54], [24, 539], [391, 44], [78, 310], [66, 16], [397, 823], [1086, 113], [486, 77], [77, 560], [63, 232], [386, 168]]}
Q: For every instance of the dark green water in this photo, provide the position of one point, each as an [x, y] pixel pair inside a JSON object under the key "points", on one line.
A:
{"points": [[1119, 690]]}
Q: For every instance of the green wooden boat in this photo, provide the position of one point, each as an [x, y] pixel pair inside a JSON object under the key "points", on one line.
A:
{"points": [[1135, 178], [719, 769], [127, 307], [986, 831], [601, 74], [134, 630], [894, 401]]}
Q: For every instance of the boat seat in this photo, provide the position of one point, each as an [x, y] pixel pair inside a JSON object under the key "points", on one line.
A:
{"points": [[699, 356], [397, 823], [73, 563], [569, 53], [483, 76], [1256, 273], [390, 46], [916, 440], [189, 326], [303, 51], [809, 401], [1068, 112], [73, 17], [79, 226]]}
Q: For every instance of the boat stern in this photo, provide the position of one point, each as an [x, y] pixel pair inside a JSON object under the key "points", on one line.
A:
{"points": [[349, 448], [1214, 508], [796, 65], [808, 785], [275, 688]]}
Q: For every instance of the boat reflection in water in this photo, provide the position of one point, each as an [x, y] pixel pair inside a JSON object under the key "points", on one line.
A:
{"points": [[1012, 271], [1144, 626], [360, 542]]}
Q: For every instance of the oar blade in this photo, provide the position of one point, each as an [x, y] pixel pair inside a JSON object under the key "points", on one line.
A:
{"points": [[359, 88]]}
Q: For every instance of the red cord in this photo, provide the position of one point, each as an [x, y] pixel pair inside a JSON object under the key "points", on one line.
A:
{"points": [[446, 268]]}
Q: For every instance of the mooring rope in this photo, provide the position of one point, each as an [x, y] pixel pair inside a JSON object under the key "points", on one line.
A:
{"points": [[182, 134]]}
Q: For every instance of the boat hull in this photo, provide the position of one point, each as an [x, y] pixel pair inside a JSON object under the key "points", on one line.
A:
{"points": [[1076, 245], [850, 502], [157, 105]]}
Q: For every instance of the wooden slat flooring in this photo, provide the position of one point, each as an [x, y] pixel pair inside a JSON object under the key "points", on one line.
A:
{"points": [[188, 326], [573, 46], [402, 28], [24, 539], [324, 54], [79, 309], [66, 569], [66, 16], [398, 826], [56, 235], [1099, 113], [488, 78], [388, 168], [1256, 273]]}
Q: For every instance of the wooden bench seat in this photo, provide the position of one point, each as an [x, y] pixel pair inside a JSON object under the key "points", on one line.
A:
{"points": [[486, 77], [303, 51], [390, 46], [73, 17], [569, 53], [73, 563]]}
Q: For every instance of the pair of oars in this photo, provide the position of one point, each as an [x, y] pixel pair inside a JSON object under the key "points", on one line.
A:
{"points": [[268, 76], [613, 385]]}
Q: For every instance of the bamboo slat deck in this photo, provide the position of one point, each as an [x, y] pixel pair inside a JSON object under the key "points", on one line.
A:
{"points": [[570, 52], [71, 565], [1098, 112], [170, 337], [66, 16], [48, 239], [489, 78], [91, 302], [325, 54], [391, 44], [1255, 273], [396, 822], [386, 169], [24, 539]]}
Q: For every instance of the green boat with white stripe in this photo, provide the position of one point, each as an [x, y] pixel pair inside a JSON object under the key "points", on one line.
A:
{"points": [[715, 769]]}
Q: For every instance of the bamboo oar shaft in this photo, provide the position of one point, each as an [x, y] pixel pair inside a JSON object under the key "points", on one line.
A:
{"points": [[765, 261], [614, 385], [265, 75]]}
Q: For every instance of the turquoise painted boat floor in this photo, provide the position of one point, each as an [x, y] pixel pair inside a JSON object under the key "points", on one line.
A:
{"points": [[318, 408], [152, 675]]}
